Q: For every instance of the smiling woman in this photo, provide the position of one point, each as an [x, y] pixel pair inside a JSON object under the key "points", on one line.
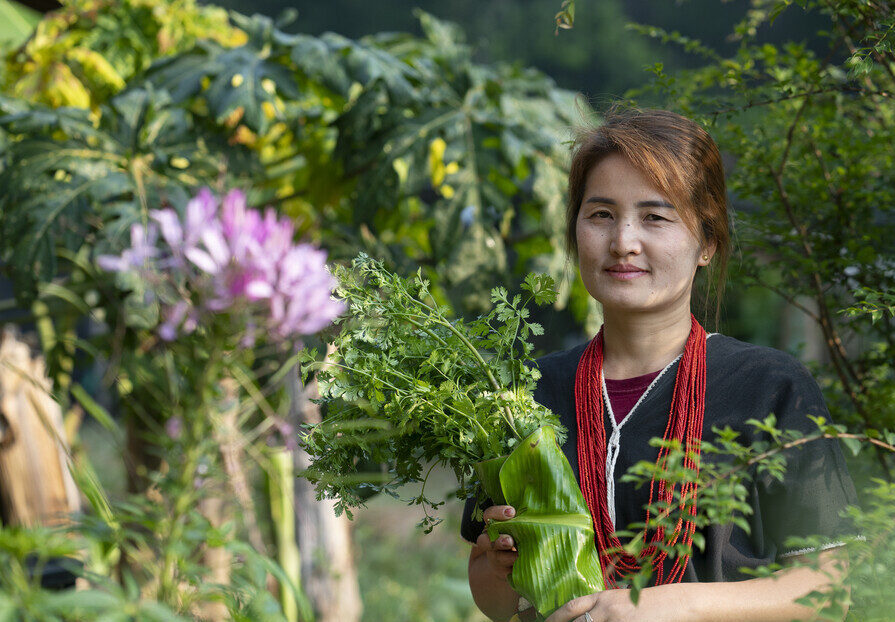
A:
{"points": [[647, 210], [635, 252], [674, 161]]}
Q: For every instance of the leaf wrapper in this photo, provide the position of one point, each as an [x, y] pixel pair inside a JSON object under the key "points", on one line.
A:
{"points": [[553, 529]]}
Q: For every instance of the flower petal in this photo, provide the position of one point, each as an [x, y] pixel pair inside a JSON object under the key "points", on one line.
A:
{"points": [[112, 263], [258, 289], [202, 260], [169, 222]]}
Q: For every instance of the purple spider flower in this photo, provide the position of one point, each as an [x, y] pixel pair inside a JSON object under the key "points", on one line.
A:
{"points": [[136, 257], [234, 259]]}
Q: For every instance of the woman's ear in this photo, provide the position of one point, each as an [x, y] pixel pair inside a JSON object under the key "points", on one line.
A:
{"points": [[707, 252]]}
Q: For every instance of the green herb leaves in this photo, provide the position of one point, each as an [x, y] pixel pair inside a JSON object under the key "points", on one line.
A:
{"points": [[407, 386]]}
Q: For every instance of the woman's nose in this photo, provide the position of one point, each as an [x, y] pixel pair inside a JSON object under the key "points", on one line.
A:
{"points": [[625, 240]]}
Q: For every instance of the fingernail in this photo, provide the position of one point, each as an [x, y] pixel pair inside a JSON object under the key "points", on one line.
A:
{"points": [[509, 512]]}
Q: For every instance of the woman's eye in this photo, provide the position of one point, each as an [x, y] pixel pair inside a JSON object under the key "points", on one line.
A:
{"points": [[600, 213], [655, 217]]}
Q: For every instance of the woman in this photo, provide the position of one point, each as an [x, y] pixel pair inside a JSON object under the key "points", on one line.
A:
{"points": [[647, 210]]}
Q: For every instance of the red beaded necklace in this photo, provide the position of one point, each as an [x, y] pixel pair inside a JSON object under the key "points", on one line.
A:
{"points": [[684, 425]]}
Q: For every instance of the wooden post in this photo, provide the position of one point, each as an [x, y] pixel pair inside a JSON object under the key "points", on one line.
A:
{"points": [[36, 487]]}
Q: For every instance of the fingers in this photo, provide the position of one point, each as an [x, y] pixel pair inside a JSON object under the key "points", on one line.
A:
{"points": [[573, 611], [503, 542], [500, 554], [499, 512]]}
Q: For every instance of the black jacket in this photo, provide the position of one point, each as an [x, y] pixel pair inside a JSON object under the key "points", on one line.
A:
{"points": [[743, 382]]}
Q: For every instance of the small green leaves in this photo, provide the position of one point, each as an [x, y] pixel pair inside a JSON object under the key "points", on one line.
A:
{"points": [[542, 287], [446, 390]]}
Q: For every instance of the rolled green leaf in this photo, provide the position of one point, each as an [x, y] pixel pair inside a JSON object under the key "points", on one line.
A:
{"points": [[553, 529]]}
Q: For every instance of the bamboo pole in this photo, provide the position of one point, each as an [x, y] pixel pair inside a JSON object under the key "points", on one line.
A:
{"points": [[280, 478], [36, 487]]}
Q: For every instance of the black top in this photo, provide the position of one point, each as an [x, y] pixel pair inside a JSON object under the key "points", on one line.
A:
{"points": [[743, 382]]}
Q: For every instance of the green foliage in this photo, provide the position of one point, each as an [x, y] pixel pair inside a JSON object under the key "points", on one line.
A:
{"points": [[245, 83], [88, 50], [407, 386], [70, 183], [400, 146], [147, 556], [728, 466], [813, 183], [142, 537], [456, 165], [873, 303], [565, 19]]}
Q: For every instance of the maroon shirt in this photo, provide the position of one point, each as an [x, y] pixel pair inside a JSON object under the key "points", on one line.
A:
{"points": [[623, 394]]}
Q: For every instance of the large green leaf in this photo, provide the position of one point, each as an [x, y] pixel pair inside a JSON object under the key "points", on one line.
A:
{"points": [[247, 81], [553, 529], [68, 180], [480, 148]]}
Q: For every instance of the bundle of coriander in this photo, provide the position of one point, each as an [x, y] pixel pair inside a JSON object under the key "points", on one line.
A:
{"points": [[407, 387]]}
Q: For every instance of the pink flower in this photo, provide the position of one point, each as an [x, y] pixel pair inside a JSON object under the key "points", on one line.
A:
{"points": [[234, 260], [136, 257]]}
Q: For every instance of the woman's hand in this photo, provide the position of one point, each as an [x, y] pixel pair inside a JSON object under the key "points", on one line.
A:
{"points": [[489, 565], [501, 553], [616, 606]]}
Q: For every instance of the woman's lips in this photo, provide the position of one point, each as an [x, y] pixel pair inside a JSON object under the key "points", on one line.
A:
{"points": [[625, 273]]}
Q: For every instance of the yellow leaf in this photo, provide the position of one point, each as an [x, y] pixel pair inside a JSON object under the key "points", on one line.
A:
{"points": [[451, 168], [243, 136], [179, 162], [354, 91], [269, 85], [401, 168], [97, 68], [236, 80], [234, 117], [447, 191], [436, 161], [233, 39], [66, 89]]}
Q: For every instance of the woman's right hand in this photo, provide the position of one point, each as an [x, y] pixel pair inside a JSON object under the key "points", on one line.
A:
{"points": [[501, 553]]}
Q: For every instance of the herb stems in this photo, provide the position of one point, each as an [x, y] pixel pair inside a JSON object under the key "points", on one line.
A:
{"points": [[455, 392]]}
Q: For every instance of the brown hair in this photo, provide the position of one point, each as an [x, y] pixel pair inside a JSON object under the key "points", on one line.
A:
{"points": [[678, 156]]}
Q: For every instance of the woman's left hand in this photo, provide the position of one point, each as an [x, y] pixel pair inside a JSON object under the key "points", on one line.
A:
{"points": [[616, 606]]}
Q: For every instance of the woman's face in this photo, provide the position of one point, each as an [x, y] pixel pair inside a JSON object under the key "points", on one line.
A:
{"points": [[635, 252]]}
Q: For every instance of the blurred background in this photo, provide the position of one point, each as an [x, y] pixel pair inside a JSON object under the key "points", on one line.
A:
{"points": [[433, 135]]}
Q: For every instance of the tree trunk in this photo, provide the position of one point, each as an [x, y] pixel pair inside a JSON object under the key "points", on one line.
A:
{"points": [[36, 487], [329, 575]]}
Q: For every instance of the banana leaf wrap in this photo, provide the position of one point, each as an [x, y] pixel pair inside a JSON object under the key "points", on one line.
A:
{"points": [[553, 529]]}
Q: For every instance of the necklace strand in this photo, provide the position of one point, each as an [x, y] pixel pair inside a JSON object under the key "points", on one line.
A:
{"points": [[684, 425]]}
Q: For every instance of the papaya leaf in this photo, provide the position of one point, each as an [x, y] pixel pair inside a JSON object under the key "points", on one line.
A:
{"points": [[66, 182], [243, 84]]}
